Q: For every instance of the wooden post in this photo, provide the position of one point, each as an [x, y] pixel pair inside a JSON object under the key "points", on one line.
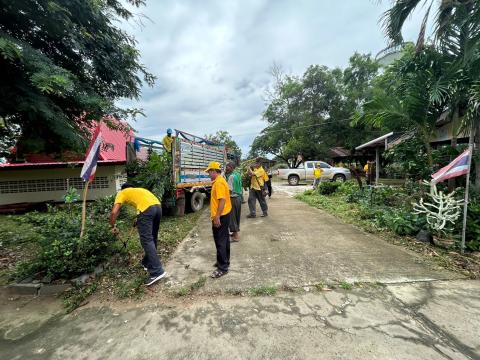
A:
{"points": [[467, 188], [377, 165], [84, 208]]}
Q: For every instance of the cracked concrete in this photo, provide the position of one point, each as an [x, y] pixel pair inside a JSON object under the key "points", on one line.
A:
{"points": [[403, 321], [295, 246]]}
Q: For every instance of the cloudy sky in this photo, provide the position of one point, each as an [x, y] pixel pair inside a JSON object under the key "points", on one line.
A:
{"points": [[212, 58]]}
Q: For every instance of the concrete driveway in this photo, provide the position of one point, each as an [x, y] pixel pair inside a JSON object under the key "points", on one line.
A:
{"points": [[297, 245]]}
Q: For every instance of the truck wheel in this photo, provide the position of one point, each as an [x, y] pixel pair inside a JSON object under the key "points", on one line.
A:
{"points": [[196, 201], [293, 180], [339, 178]]}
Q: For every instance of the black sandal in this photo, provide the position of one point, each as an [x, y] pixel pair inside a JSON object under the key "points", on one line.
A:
{"points": [[218, 273]]}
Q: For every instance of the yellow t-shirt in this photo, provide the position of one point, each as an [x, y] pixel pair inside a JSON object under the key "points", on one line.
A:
{"points": [[365, 168], [317, 173], [265, 176], [220, 190], [257, 180], [139, 198], [167, 142]]}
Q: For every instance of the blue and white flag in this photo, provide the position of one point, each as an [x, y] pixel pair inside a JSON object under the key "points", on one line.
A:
{"points": [[459, 166], [90, 165]]}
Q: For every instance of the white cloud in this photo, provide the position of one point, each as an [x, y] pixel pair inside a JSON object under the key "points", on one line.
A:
{"points": [[212, 57]]}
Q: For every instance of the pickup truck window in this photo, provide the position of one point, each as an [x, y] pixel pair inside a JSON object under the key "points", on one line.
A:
{"points": [[324, 166], [310, 165]]}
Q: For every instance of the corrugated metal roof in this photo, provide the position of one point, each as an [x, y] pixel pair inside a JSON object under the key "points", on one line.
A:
{"points": [[375, 142]]}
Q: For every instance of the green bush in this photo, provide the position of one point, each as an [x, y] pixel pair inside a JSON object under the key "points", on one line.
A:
{"points": [[348, 188], [401, 222], [155, 174], [62, 253], [355, 197], [473, 225], [328, 188]]}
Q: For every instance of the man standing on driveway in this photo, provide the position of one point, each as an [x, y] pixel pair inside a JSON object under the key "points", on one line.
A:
{"points": [[256, 190], [234, 180], [148, 222], [317, 173], [220, 208]]}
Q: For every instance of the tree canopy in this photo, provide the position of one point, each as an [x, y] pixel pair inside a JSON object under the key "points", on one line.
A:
{"points": [[224, 137], [310, 114], [64, 64]]}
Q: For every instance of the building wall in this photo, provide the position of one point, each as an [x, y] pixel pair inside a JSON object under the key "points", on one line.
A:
{"points": [[446, 132], [40, 185]]}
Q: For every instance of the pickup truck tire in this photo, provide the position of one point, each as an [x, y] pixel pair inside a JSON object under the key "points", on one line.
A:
{"points": [[293, 180], [196, 201], [339, 178]]}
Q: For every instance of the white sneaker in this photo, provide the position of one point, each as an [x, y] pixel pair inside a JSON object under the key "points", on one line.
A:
{"points": [[153, 279]]}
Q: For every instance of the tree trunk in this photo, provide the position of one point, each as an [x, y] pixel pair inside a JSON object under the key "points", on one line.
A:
{"points": [[357, 175], [453, 144], [476, 149], [428, 147]]}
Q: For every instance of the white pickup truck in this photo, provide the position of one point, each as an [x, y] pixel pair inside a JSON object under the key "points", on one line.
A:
{"points": [[305, 172]]}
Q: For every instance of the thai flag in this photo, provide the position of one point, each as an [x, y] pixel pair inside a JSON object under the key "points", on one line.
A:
{"points": [[90, 165], [457, 167]]}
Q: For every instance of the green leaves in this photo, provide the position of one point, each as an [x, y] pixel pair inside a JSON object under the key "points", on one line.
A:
{"points": [[155, 174], [65, 64], [308, 115], [9, 50], [223, 137]]}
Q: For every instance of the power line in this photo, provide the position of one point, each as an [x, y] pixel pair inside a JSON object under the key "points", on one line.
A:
{"points": [[298, 127]]}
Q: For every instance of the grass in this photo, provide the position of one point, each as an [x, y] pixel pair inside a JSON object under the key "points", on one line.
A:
{"points": [[188, 290], [352, 213], [336, 205], [346, 285], [17, 245], [263, 291], [124, 276], [76, 296]]}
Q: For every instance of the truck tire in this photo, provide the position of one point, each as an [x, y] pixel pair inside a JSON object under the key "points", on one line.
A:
{"points": [[293, 180], [339, 178], [197, 201]]}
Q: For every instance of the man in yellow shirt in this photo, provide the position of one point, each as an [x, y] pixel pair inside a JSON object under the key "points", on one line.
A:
{"points": [[257, 183], [317, 173], [220, 208], [148, 222], [168, 140]]}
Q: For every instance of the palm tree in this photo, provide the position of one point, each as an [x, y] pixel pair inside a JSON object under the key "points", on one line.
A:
{"points": [[457, 36], [409, 96]]}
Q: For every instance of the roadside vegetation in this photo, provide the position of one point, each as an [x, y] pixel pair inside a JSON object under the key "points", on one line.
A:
{"points": [[49, 249], [388, 211]]}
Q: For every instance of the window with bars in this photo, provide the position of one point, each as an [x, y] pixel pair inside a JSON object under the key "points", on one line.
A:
{"points": [[42, 185]]}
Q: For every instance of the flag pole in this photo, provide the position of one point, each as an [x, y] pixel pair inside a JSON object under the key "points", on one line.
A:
{"points": [[84, 208], [467, 188]]}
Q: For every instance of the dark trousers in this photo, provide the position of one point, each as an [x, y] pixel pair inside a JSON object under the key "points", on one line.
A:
{"points": [[269, 186], [253, 196], [222, 242], [148, 223], [235, 213]]}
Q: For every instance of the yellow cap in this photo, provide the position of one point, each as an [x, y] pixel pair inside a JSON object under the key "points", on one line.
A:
{"points": [[214, 165]]}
